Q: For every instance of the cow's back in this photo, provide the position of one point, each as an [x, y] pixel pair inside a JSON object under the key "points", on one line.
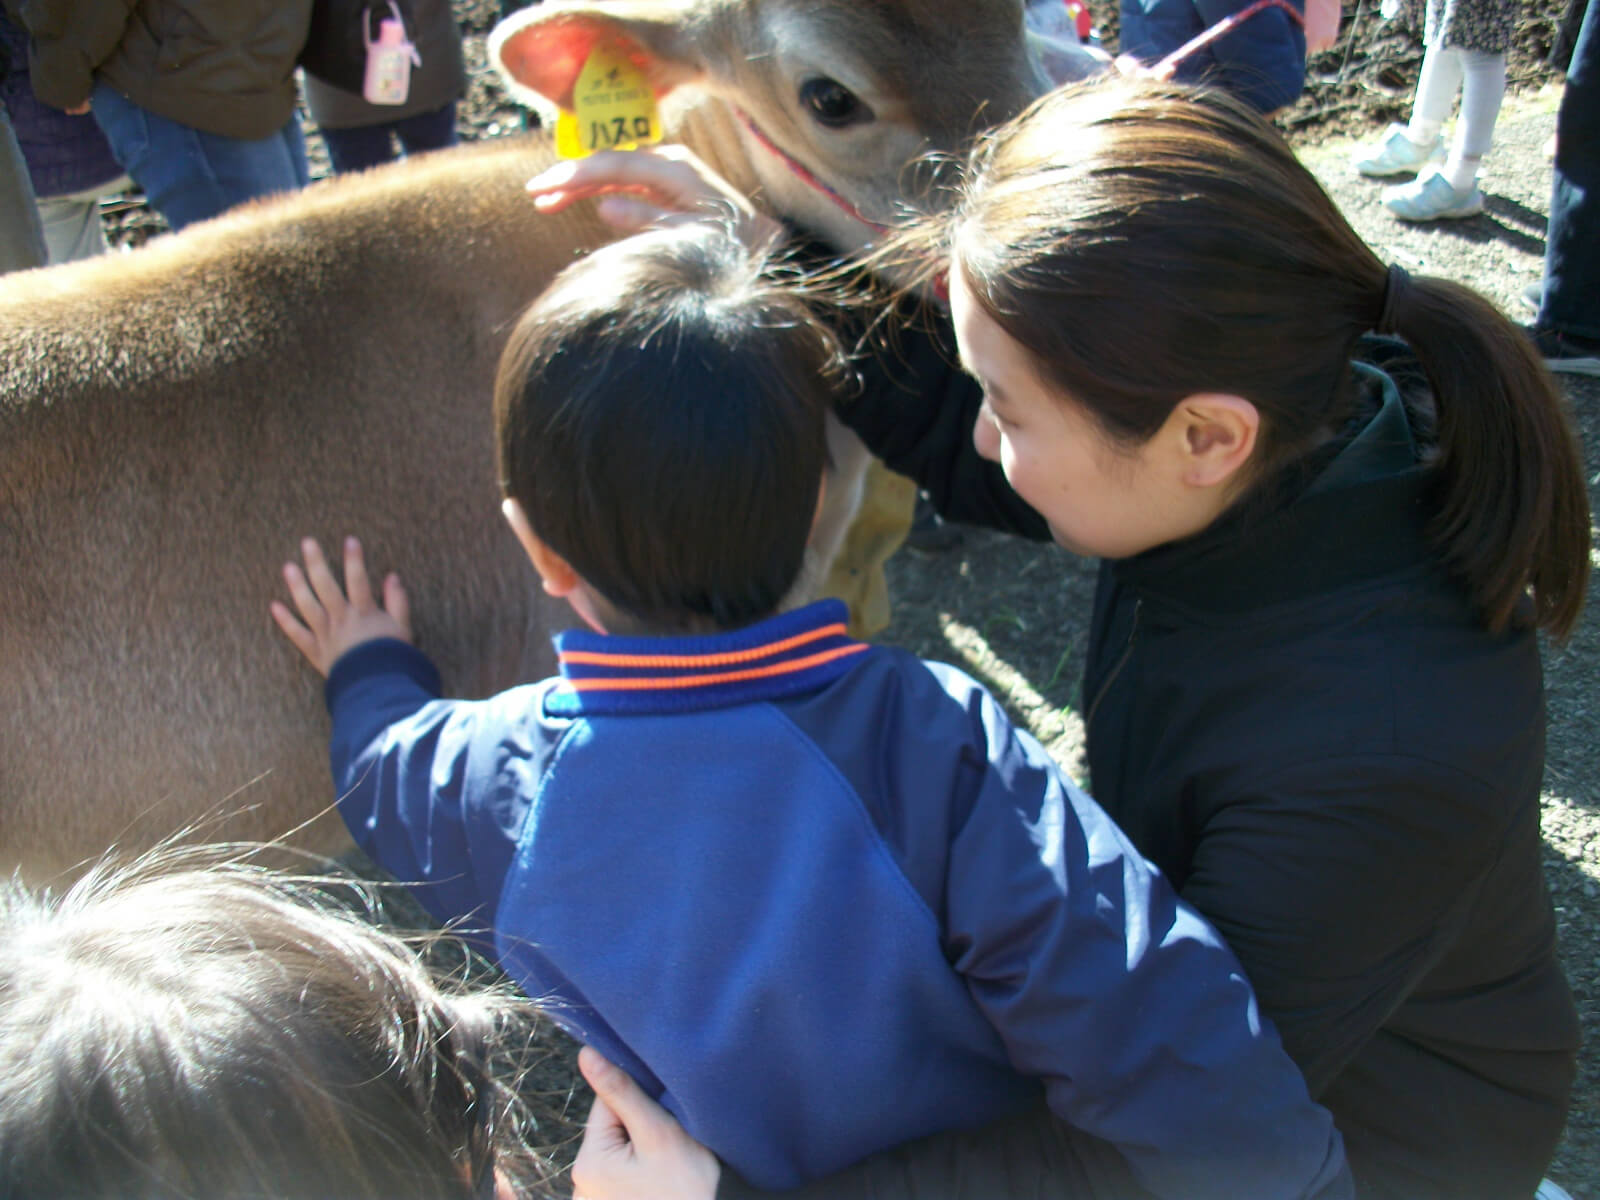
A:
{"points": [[172, 421]]}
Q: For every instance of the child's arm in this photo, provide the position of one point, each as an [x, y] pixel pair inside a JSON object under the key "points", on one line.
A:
{"points": [[409, 786], [1119, 996]]}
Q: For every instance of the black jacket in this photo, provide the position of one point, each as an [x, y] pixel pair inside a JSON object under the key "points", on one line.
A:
{"points": [[1300, 719]]}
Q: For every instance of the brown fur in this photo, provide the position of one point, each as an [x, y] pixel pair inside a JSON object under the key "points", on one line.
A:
{"points": [[173, 420]]}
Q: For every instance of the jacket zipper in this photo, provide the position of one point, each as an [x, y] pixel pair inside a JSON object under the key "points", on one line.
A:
{"points": [[1127, 653]]}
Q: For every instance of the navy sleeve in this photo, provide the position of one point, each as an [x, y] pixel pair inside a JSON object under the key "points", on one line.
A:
{"points": [[434, 790], [1118, 995]]}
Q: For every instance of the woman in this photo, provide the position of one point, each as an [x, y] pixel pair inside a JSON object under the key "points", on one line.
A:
{"points": [[1313, 691]]}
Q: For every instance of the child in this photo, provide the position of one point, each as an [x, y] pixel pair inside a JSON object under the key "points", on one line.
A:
{"points": [[184, 1027], [816, 897], [1466, 52]]}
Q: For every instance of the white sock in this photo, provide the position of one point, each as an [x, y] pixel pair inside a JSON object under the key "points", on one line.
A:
{"points": [[1483, 86], [1461, 170]]}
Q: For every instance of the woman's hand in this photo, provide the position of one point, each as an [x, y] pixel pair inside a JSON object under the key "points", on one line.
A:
{"points": [[329, 622], [658, 185], [633, 1149]]}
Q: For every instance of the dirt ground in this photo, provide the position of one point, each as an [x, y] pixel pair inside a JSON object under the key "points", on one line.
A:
{"points": [[1016, 615]]}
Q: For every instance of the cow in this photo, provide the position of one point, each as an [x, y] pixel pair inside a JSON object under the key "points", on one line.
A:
{"points": [[174, 419]]}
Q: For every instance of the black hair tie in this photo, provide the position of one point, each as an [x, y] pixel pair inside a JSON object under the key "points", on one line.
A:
{"points": [[1396, 288]]}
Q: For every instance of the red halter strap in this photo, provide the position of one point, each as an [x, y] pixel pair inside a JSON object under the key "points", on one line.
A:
{"points": [[1165, 68]]}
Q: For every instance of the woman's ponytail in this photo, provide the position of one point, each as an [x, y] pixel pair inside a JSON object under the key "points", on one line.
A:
{"points": [[1512, 512]]}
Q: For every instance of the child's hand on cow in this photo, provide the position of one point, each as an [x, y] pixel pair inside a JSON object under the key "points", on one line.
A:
{"points": [[330, 621], [658, 185]]}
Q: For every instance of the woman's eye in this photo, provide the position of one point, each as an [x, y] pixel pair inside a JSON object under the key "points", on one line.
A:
{"points": [[832, 104]]}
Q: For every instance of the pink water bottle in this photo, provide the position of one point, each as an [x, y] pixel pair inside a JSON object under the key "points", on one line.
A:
{"points": [[389, 61]]}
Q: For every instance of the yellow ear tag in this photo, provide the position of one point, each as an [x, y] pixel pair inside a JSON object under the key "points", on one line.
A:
{"points": [[613, 108]]}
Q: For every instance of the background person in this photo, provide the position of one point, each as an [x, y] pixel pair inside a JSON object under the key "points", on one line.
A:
{"points": [[69, 161], [359, 134], [196, 99], [1262, 61], [1567, 328], [1466, 44]]}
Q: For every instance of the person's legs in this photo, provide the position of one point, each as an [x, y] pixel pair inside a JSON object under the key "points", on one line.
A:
{"points": [[1408, 148], [189, 174], [72, 225], [1434, 194], [1571, 303], [1483, 87], [434, 130], [21, 239], [361, 147], [1437, 86]]}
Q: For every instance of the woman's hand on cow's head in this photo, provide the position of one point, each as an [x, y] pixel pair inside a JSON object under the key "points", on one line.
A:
{"points": [[659, 185], [333, 620]]}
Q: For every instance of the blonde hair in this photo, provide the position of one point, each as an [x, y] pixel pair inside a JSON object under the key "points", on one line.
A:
{"points": [[198, 1027]]}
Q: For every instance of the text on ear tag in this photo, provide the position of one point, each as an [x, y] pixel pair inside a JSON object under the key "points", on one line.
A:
{"points": [[613, 108]]}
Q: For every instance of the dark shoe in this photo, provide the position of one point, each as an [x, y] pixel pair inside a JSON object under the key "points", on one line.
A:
{"points": [[931, 533], [1566, 354]]}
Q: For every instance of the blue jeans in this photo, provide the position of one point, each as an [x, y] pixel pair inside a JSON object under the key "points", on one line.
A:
{"points": [[189, 174], [1572, 243], [371, 145]]}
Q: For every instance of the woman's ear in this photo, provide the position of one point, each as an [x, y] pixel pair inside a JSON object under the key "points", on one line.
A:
{"points": [[1217, 435], [558, 576]]}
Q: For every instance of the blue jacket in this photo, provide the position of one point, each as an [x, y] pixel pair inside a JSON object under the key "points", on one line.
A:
{"points": [[1262, 61], [821, 898]]}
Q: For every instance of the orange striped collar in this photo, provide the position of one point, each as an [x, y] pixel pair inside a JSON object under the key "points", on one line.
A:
{"points": [[781, 656]]}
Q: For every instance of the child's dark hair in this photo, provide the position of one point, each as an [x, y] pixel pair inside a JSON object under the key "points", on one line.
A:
{"points": [[659, 417], [1145, 241], [171, 1030]]}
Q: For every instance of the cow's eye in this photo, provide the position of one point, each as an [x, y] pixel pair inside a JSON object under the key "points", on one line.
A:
{"points": [[832, 104]]}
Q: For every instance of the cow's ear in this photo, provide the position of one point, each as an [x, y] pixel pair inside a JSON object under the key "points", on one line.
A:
{"points": [[540, 50]]}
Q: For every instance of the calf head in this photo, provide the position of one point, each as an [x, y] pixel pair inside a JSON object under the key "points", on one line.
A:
{"points": [[854, 94]]}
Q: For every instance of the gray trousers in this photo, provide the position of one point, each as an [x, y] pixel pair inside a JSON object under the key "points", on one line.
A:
{"points": [[21, 237]]}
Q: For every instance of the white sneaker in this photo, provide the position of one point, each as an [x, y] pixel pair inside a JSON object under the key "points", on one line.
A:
{"points": [[1430, 197], [1551, 1191], [1397, 154]]}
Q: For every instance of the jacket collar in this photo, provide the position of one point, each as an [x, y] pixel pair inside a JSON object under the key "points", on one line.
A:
{"points": [[1362, 516], [793, 652]]}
